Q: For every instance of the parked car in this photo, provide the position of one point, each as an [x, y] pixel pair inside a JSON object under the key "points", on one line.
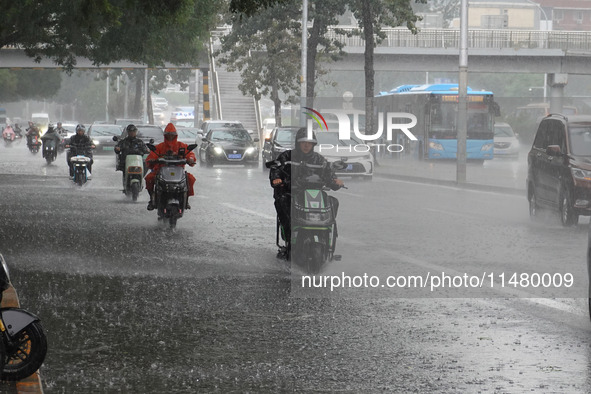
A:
{"points": [[102, 136], [280, 140], [159, 102], [353, 152], [559, 167], [229, 146], [505, 140], [185, 112], [147, 132], [159, 116], [127, 121], [189, 135], [220, 124]]}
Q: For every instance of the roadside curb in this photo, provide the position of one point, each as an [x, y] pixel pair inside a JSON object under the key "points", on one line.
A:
{"points": [[31, 384], [443, 182]]}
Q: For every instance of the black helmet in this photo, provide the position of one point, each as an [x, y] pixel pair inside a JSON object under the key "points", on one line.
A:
{"points": [[131, 128], [302, 136], [80, 127]]}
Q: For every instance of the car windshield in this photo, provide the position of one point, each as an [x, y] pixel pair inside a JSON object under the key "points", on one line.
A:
{"points": [[230, 135], [186, 133], [105, 131], [580, 139], [150, 132], [504, 131], [184, 123], [286, 136], [333, 139]]}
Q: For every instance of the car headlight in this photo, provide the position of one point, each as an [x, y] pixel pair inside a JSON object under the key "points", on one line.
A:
{"points": [[218, 150], [96, 142], [486, 147], [435, 145], [581, 174], [249, 151]]}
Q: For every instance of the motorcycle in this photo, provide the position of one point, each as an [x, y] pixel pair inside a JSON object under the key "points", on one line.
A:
{"points": [[49, 150], [133, 172], [171, 191], [313, 225], [23, 342], [80, 160], [34, 145]]}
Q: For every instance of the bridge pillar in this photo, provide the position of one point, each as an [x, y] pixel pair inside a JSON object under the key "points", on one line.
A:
{"points": [[557, 82]]}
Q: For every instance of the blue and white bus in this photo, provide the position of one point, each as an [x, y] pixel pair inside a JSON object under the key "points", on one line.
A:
{"points": [[436, 109]]}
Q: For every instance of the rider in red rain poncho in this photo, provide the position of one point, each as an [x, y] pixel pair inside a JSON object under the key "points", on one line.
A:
{"points": [[170, 144]]}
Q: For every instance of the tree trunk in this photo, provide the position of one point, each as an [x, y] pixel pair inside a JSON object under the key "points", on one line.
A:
{"points": [[368, 68], [311, 64], [276, 103], [137, 105]]}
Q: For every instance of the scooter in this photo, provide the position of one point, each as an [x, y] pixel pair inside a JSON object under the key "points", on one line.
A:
{"points": [[133, 172], [34, 145], [49, 150], [8, 137], [23, 343], [80, 159], [313, 225], [171, 189]]}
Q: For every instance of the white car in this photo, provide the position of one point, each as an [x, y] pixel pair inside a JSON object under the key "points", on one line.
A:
{"points": [[159, 102], [354, 153], [506, 142]]}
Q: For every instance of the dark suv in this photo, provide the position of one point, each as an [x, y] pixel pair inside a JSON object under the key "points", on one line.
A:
{"points": [[559, 167]]}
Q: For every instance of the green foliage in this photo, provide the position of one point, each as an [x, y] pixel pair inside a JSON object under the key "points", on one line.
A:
{"points": [[148, 32], [16, 85]]}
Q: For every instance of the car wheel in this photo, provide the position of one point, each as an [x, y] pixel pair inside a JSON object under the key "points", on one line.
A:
{"points": [[568, 217], [533, 204]]}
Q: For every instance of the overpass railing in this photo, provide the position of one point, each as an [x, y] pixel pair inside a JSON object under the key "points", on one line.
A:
{"points": [[477, 38]]}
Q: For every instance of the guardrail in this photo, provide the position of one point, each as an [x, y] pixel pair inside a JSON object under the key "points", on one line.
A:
{"points": [[477, 38]]}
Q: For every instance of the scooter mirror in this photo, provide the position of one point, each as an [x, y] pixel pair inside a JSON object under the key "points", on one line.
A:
{"points": [[4, 275], [115, 138]]}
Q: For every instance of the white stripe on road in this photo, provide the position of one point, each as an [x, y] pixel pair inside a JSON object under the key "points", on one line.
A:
{"points": [[249, 211]]}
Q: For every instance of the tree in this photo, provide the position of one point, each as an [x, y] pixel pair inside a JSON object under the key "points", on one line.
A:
{"points": [[146, 32], [323, 14], [264, 47], [372, 15]]}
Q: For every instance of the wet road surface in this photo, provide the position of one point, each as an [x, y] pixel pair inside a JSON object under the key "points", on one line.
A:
{"points": [[130, 306]]}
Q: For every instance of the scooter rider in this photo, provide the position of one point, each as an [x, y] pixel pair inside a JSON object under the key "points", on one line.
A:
{"points": [[170, 145], [51, 134], [18, 131], [80, 139], [32, 131], [281, 176], [131, 143]]}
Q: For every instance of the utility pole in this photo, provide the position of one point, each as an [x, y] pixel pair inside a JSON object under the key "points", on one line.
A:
{"points": [[303, 93], [462, 96]]}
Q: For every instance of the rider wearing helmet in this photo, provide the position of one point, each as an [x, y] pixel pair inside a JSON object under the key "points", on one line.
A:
{"points": [[281, 175], [32, 131], [131, 144], [51, 134], [85, 143], [170, 145]]}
